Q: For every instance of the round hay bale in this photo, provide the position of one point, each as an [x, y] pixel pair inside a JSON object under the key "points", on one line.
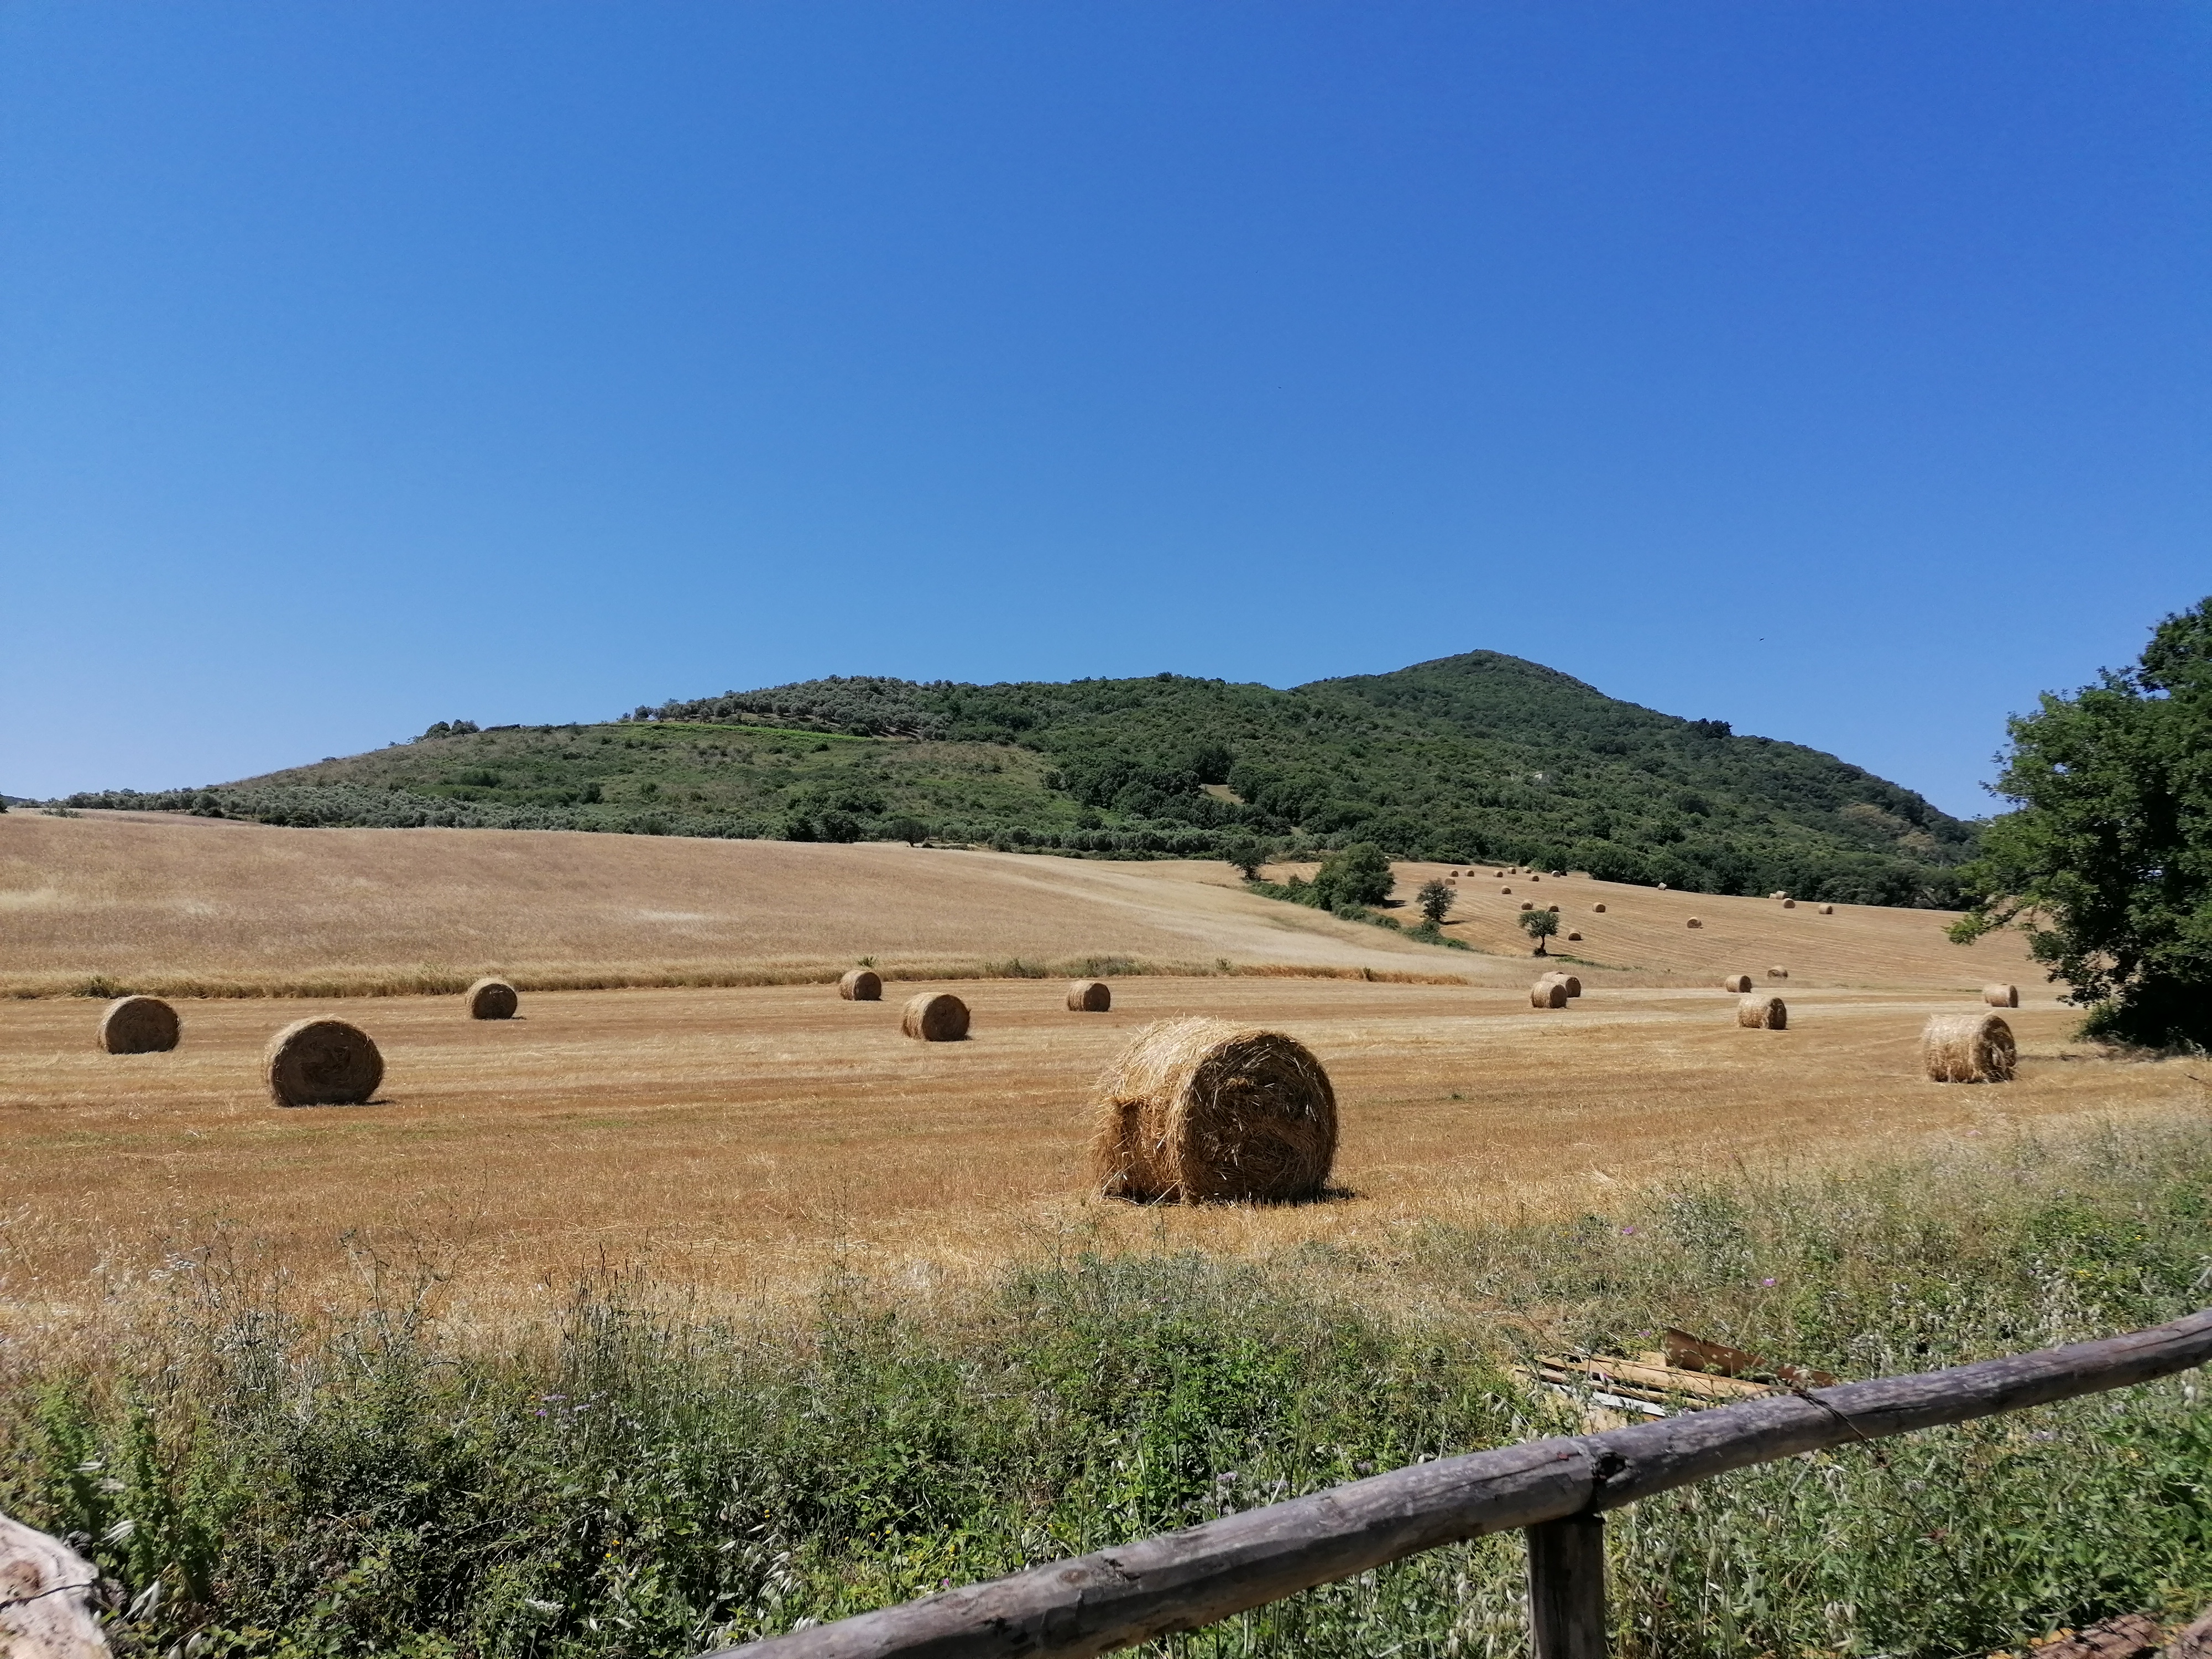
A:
{"points": [[1574, 939], [1968, 1048], [1547, 992], [1506, 890], [1738, 983], [1553, 908], [139, 1025], [2001, 996], [1597, 909], [1827, 909], [935, 1017], [1200, 1109], [1790, 904], [861, 985], [1763, 1013], [1533, 877], [1527, 904], [1778, 973], [1088, 996], [1693, 922], [1574, 987], [492, 999], [1780, 895], [321, 1062]]}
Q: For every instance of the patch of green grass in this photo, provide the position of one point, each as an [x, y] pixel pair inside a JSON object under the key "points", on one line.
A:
{"points": [[641, 1479]]}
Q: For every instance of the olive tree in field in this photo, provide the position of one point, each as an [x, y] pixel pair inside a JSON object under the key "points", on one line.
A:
{"points": [[2107, 865], [1435, 899], [1539, 925]]}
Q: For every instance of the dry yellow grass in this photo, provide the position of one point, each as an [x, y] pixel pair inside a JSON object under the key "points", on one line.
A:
{"points": [[745, 1140], [167, 902]]}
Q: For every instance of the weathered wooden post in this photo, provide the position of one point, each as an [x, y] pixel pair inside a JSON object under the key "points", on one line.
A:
{"points": [[1566, 1587]]}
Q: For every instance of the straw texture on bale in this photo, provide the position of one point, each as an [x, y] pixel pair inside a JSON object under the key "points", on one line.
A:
{"points": [[1547, 992], [2001, 996], [935, 1017], [492, 999], [861, 985], [1778, 973], [139, 1025], [1088, 996], [1693, 922], [1763, 1013], [321, 1062], [1736, 983], [1968, 1048], [1200, 1109]]}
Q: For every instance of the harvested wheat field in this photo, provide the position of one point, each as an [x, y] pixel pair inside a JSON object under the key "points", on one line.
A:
{"points": [[161, 902], [747, 1138]]}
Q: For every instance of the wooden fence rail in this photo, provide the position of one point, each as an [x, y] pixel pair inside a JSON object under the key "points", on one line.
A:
{"points": [[1559, 1488]]}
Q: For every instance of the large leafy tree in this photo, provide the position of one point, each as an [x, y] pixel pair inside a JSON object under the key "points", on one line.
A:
{"points": [[2108, 865]]}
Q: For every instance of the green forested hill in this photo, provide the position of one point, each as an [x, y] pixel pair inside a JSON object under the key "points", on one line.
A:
{"points": [[1480, 757]]}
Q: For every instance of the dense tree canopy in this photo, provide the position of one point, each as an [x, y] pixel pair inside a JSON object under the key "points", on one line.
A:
{"points": [[2108, 865]]}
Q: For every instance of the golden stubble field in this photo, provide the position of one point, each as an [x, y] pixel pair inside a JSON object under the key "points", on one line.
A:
{"points": [[749, 1140]]}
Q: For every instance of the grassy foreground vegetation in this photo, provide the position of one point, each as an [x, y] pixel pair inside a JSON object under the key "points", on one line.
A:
{"points": [[648, 1477]]}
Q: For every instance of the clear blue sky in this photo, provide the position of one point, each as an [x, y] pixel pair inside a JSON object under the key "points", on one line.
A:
{"points": [[1837, 370]]}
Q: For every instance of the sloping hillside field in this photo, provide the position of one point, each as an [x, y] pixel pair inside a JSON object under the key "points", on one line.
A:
{"points": [[747, 1135]]}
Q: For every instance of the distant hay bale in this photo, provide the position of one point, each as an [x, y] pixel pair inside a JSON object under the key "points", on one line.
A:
{"points": [[139, 1025], [1736, 983], [1790, 904], [1827, 909], [1763, 1013], [1200, 1111], [2001, 996], [1780, 895], [1507, 892], [1527, 904], [1597, 909], [1574, 939], [1533, 877], [861, 985], [1088, 996], [1968, 1048], [1552, 909], [321, 1062], [492, 999], [1693, 922], [1778, 973], [935, 1017], [1547, 992]]}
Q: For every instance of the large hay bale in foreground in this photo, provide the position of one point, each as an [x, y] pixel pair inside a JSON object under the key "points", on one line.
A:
{"points": [[935, 1017], [861, 985], [2001, 996], [1200, 1109], [1547, 992], [1088, 996], [1968, 1048], [321, 1062], [1736, 983], [1574, 987], [139, 1025], [492, 999], [1763, 1013]]}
